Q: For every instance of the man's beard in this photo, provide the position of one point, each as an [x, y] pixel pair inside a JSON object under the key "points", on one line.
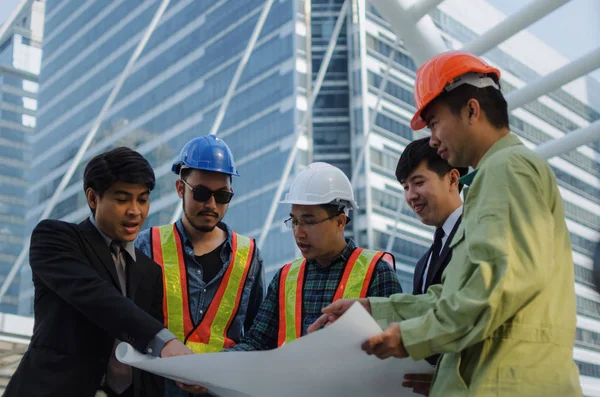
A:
{"points": [[200, 228]]}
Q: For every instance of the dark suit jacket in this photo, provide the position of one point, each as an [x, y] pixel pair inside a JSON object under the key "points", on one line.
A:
{"points": [[434, 275], [80, 311]]}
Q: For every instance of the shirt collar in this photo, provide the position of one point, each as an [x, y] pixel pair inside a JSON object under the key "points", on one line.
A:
{"points": [[451, 221], [127, 245], [504, 142]]}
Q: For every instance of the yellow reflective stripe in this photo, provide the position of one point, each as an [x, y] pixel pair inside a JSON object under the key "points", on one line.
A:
{"points": [[172, 281], [227, 306], [291, 287], [358, 274], [200, 348]]}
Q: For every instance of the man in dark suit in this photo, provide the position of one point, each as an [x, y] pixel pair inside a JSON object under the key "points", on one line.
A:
{"points": [[94, 289], [432, 190]]}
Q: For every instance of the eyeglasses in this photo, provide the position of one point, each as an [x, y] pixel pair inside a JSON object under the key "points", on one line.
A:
{"points": [[202, 194], [292, 223]]}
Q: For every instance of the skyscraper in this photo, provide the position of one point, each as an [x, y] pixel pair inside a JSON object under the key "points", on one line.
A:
{"points": [[20, 59], [172, 94], [175, 90]]}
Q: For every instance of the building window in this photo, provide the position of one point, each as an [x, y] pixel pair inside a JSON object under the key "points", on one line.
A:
{"points": [[588, 307], [584, 275], [586, 338], [394, 126], [28, 121], [29, 103], [30, 86], [537, 136], [587, 369]]}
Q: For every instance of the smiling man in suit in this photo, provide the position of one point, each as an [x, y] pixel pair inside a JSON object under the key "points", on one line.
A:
{"points": [[94, 289], [432, 190]]}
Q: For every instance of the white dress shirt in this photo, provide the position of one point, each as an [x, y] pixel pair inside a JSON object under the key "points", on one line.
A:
{"points": [[447, 226]]}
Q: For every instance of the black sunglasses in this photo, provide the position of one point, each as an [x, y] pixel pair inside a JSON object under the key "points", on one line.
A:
{"points": [[202, 194]]}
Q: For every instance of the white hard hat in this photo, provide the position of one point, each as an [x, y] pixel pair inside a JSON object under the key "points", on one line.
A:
{"points": [[321, 183]]}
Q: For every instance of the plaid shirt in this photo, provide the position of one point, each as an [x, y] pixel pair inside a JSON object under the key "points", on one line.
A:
{"points": [[320, 286]]}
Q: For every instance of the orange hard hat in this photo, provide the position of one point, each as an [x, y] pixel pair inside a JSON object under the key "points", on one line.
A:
{"points": [[435, 74]]}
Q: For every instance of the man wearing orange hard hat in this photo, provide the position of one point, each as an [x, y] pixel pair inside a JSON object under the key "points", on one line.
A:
{"points": [[504, 316]]}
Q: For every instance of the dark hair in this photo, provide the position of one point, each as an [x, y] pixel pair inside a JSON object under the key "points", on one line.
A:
{"points": [[418, 151], [118, 165], [332, 209], [184, 173], [335, 209], [492, 102]]}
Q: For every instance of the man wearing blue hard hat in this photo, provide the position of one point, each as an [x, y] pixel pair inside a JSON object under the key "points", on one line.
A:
{"points": [[213, 283]]}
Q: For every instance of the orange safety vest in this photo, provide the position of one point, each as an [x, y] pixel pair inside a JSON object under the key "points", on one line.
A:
{"points": [[211, 334], [354, 284]]}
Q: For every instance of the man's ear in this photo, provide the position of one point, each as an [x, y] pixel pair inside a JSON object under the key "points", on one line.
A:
{"points": [[342, 220], [454, 176], [179, 186], [473, 110], [92, 198]]}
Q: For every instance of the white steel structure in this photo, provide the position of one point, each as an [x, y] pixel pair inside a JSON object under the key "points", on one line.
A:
{"points": [[15, 333], [383, 43]]}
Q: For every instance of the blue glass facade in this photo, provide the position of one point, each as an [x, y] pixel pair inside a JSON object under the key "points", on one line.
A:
{"points": [[19, 67], [172, 95], [330, 117]]}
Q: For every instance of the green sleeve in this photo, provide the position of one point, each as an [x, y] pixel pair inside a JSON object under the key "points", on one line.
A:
{"points": [[399, 307], [501, 258]]}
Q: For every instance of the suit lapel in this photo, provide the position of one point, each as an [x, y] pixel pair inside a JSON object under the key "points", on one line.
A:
{"points": [[99, 246], [435, 267], [419, 270]]}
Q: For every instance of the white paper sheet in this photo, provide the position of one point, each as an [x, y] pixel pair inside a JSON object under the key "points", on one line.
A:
{"points": [[328, 362]]}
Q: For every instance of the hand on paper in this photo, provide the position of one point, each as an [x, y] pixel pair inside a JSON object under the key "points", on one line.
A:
{"points": [[194, 389], [175, 348], [334, 311], [419, 383], [387, 344]]}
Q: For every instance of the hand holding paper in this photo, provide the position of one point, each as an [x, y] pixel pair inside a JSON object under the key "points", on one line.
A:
{"points": [[329, 362], [387, 344], [334, 311], [175, 348]]}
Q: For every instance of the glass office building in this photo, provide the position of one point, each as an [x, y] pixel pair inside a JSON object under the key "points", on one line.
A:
{"points": [[172, 94], [20, 58], [176, 87]]}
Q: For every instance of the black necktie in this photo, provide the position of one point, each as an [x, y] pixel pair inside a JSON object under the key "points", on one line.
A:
{"points": [[433, 258], [436, 248]]}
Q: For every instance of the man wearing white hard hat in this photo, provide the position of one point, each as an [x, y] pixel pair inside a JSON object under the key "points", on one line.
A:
{"points": [[331, 267]]}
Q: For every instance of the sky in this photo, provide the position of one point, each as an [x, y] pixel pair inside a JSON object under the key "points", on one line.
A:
{"points": [[6, 8], [572, 29]]}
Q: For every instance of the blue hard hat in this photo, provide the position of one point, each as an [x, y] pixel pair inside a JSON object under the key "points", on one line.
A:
{"points": [[207, 153]]}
